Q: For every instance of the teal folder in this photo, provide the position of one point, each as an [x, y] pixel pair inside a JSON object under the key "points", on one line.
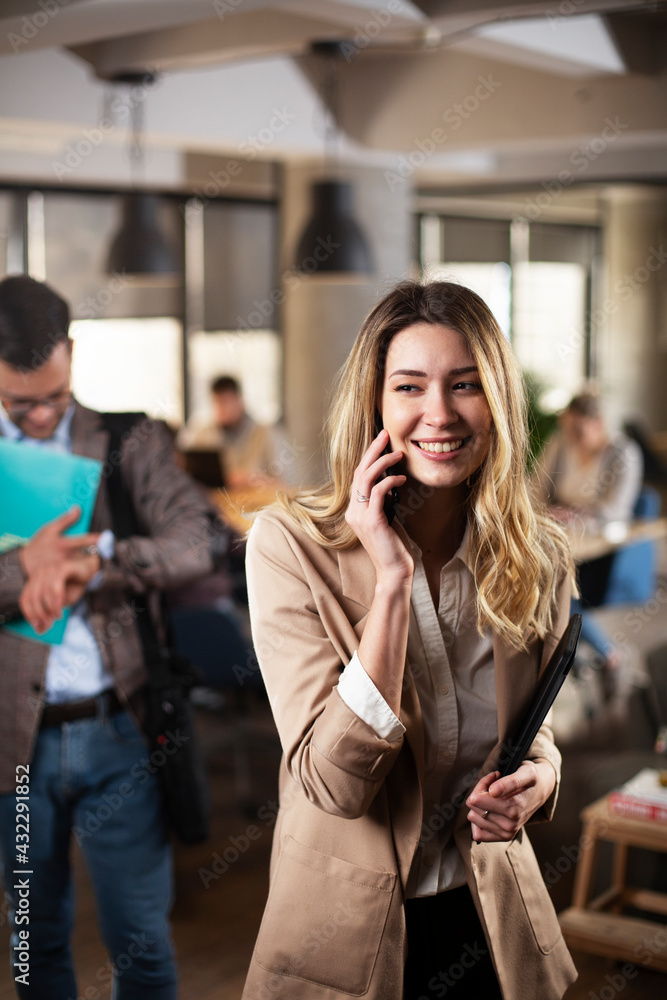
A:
{"points": [[37, 485]]}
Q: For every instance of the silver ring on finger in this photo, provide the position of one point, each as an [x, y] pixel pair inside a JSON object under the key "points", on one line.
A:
{"points": [[361, 498], [485, 814]]}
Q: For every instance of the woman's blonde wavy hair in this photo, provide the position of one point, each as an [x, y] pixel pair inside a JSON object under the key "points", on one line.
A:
{"points": [[521, 553]]}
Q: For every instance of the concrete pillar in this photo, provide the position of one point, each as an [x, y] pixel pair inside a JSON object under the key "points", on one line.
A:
{"points": [[632, 341], [322, 315]]}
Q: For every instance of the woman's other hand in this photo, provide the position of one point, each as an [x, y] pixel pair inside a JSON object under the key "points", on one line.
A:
{"points": [[499, 807], [365, 514]]}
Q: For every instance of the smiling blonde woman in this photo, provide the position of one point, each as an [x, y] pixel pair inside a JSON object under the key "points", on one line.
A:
{"points": [[402, 615]]}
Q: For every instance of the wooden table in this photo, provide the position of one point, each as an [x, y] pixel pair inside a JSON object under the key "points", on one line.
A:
{"points": [[587, 545], [598, 925]]}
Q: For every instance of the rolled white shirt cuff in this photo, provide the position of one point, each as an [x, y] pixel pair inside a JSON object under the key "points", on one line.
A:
{"points": [[106, 544], [361, 696], [106, 547]]}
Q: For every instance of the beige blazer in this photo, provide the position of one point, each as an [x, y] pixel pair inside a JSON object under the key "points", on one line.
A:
{"points": [[351, 803]]}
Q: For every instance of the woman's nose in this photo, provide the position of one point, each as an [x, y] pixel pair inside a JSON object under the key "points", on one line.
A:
{"points": [[439, 410]]}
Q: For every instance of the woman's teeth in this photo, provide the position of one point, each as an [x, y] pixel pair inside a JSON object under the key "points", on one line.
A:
{"points": [[439, 446]]}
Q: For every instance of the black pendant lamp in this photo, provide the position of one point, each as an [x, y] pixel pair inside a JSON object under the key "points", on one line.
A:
{"points": [[332, 242], [140, 247]]}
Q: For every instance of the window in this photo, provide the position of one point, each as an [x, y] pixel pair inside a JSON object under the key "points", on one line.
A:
{"points": [[129, 331], [472, 252], [129, 364], [233, 272], [254, 357], [537, 281], [491, 281], [549, 310]]}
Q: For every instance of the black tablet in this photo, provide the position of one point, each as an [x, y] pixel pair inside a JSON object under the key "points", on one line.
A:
{"points": [[555, 673]]}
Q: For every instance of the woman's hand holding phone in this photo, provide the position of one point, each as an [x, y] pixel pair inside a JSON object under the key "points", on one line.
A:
{"points": [[383, 645], [371, 486]]}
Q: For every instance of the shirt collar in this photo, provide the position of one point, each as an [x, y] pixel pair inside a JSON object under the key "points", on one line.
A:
{"points": [[61, 437], [463, 553]]}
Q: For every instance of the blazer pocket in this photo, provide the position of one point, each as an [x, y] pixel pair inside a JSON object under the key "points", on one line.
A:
{"points": [[324, 919], [534, 894]]}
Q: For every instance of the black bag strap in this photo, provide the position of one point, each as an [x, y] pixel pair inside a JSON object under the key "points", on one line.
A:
{"points": [[123, 514], [125, 524]]}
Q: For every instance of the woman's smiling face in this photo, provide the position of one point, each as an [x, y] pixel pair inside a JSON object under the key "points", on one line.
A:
{"points": [[433, 405]]}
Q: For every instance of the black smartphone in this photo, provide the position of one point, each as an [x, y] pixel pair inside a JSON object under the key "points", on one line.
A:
{"points": [[392, 498]]}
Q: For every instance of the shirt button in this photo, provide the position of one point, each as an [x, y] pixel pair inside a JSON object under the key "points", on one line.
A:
{"points": [[443, 689], [428, 860]]}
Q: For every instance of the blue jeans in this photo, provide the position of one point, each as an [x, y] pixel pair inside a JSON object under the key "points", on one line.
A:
{"points": [[92, 779]]}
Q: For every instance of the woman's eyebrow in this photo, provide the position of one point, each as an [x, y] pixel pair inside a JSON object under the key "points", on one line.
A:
{"points": [[416, 374]]}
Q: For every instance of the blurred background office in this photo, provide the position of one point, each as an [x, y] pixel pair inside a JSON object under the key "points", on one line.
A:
{"points": [[227, 186]]}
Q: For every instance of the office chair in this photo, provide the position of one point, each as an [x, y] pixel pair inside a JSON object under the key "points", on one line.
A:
{"points": [[634, 572]]}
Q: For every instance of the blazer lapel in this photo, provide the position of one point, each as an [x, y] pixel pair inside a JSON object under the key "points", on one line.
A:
{"points": [[90, 438], [357, 576], [516, 674]]}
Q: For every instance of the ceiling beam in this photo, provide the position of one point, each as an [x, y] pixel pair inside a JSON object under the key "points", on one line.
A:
{"points": [[245, 36], [641, 40], [392, 101], [483, 11]]}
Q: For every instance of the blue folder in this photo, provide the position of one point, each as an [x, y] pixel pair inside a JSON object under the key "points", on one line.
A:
{"points": [[37, 485]]}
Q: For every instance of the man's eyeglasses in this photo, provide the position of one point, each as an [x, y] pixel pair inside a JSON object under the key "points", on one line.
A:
{"points": [[21, 407]]}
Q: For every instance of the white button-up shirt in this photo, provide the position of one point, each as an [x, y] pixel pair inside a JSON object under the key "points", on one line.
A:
{"points": [[452, 665], [74, 668]]}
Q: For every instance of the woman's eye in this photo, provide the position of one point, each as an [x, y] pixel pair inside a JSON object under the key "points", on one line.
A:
{"points": [[407, 388], [470, 386]]}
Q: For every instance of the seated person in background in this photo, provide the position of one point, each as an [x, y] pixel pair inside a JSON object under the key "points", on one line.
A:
{"points": [[585, 471], [590, 475], [252, 454]]}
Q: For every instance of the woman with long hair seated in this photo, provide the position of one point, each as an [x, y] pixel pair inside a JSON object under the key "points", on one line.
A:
{"points": [[401, 616]]}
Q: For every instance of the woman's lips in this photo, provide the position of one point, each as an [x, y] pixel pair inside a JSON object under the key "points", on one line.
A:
{"points": [[438, 447], [441, 451]]}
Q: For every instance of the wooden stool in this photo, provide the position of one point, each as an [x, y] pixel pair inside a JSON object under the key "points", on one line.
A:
{"points": [[598, 926]]}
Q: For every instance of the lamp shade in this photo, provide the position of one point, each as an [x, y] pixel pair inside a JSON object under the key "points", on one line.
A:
{"points": [[139, 246], [332, 242]]}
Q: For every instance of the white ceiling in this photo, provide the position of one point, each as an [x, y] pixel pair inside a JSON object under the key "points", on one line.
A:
{"points": [[124, 34], [563, 69]]}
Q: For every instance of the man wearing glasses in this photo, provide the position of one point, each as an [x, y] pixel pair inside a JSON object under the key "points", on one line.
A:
{"points": [[36, 417], [68, 712]]}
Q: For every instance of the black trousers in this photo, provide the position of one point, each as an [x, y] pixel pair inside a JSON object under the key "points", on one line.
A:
{"points": [[593, 579], [447, 952]]}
